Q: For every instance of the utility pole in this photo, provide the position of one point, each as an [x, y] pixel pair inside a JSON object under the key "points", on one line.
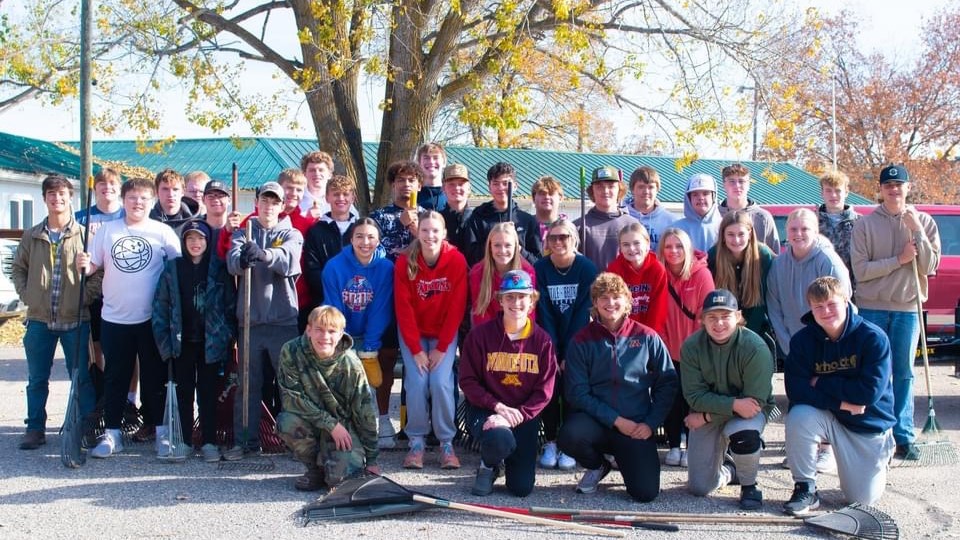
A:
{"points": [[86, 144], [753, 149]]}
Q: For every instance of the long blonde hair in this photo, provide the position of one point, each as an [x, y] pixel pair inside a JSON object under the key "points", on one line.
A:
{"points": [[485, 295], [413, 250], [747, 290], [688, 254]]}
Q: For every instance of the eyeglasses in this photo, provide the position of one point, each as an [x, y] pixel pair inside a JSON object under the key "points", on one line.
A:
{"points": [[558, 237]]}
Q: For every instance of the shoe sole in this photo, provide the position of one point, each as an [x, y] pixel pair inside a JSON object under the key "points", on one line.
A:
{"points": [[586, 491], [803, 511]]}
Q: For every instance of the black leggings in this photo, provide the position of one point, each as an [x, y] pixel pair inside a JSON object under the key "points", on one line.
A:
{"points": [[122, 345]]}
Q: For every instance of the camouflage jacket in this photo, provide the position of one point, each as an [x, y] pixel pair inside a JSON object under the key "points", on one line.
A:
{"points": [[330, 391]]}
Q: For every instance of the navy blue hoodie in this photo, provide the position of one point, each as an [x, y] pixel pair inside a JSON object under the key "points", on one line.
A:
{"points": [[855, 368]]}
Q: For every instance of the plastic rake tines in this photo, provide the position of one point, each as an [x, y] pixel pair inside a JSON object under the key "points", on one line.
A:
{"points": [[71, 453], [179, 449], [858, 521]]}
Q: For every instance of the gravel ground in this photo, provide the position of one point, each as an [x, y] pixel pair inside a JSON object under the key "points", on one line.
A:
{"points": [[133, 495]]}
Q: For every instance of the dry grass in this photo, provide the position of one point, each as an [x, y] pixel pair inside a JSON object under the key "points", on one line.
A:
{"points": [[11, 331]]}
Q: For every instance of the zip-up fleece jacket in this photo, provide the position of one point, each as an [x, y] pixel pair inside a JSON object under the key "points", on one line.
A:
{"points": [[855, 368], [603, 230], [328, 391], [495, 369], [691, 292], [32, 275], [564, 305], [219, 312], [787, 285], [364, 294], [433, 303], [763, 224], [493, 308], [882, 282], [273, 291], [627, 373], [485, 216], [714, 375], [648, 287], [655, 222]]}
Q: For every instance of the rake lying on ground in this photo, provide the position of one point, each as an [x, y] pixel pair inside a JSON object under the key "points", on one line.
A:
{"points": [[855, 520]]}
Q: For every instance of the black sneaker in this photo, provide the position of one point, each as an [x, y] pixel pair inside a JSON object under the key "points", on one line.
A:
{"points": [[751, 498], [907, 452], [802, 501], [483, 484]]}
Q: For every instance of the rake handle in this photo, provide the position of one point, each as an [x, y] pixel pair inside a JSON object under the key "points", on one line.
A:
{"points": [[245, 355], [923, 335], [517, 517]]}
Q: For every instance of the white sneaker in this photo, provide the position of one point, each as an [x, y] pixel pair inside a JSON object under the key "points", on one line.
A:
{"points": [[549, 457], [826, 461], [163, 446], [673, 457], [565, 462], [683, 459], [110, 443], [386, 435]]}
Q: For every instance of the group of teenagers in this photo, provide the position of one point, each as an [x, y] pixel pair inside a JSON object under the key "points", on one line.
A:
{"points": [[589, 334]]}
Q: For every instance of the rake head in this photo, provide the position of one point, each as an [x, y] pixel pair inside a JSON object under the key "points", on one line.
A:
{"points": [[179, 449], [255, 465], [858, 521]]}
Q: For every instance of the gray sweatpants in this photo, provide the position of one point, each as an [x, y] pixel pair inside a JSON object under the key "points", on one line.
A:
{"points": [[861, 457], [266, 340], [706, 447]]}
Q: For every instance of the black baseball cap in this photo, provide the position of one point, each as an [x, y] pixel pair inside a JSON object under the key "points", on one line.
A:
{"points": [[720, 299], [894, 173], [216, 185]]}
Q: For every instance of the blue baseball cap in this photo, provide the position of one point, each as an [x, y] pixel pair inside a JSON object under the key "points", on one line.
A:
{"points": [[516, 281], [894, 173]]}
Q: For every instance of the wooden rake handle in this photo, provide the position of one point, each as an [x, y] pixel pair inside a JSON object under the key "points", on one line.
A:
{"points": [[518, 517]]}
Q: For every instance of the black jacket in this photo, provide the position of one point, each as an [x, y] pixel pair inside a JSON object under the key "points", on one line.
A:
{"points": [[483, 219], [323, 241]]}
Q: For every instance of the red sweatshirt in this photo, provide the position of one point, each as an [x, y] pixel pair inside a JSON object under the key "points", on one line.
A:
{"points": [[433, 304], [648, 285], [691, 292], [493, 308]]}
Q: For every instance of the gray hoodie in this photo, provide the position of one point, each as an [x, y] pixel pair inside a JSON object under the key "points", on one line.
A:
{"points": [[703, 231], [273, 293], [787, 285], [655, 222]]}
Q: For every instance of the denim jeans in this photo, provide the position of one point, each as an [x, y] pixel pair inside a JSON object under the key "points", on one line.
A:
{"points": [[40, 345], [903, 329]]}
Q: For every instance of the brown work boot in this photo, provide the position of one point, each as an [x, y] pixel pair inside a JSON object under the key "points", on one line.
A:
{"points": [[33, 439], [311, 480]]}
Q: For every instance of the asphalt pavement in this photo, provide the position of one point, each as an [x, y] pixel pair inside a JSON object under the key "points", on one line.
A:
{"points": [[132, 495]]}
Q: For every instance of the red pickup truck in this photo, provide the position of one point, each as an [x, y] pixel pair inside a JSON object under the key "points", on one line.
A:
{"points": [[942, 303]]}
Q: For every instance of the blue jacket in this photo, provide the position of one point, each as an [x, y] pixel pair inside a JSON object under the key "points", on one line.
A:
{"points": [[564, 305], [364, 294], [219, 310], [626, 374], [855, 368]]}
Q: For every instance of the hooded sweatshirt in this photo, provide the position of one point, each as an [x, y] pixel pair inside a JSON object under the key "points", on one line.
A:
{"points": [[703, 231], [493, 308], [787, 285], [485, 216], [320, 245], [882, 282], [603, 231], [648, 287], [691, 291], [518, 373], [363, 293], [432, 304], [189, 209], [273, 297], [855, 368], [763, 224], [655, 222]]}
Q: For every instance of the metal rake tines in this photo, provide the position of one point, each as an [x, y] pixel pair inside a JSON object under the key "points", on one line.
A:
{"points": [[859, 521]]}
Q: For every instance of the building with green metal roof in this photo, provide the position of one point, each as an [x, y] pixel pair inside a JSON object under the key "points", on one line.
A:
{"points": [[260, 159]]}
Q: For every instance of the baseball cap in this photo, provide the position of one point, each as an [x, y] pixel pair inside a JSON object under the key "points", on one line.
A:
{"points": [[894, 173], [720, 299], [272, 188], [216, 185], [701, 182], [516, 281], [195, 225], [455, 170], [605, 174]]}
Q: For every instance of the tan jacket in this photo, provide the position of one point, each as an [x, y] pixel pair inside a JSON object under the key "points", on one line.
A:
{"points": [[882, 282], [33, 275]]}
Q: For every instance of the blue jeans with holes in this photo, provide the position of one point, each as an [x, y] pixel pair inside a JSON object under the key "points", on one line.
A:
{"points": [[903, 329], [40, 345]]}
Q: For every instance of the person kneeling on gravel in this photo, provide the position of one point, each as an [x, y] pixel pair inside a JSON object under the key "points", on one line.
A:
{"points": [[838, 379], [328, 420], [726, 376]]}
